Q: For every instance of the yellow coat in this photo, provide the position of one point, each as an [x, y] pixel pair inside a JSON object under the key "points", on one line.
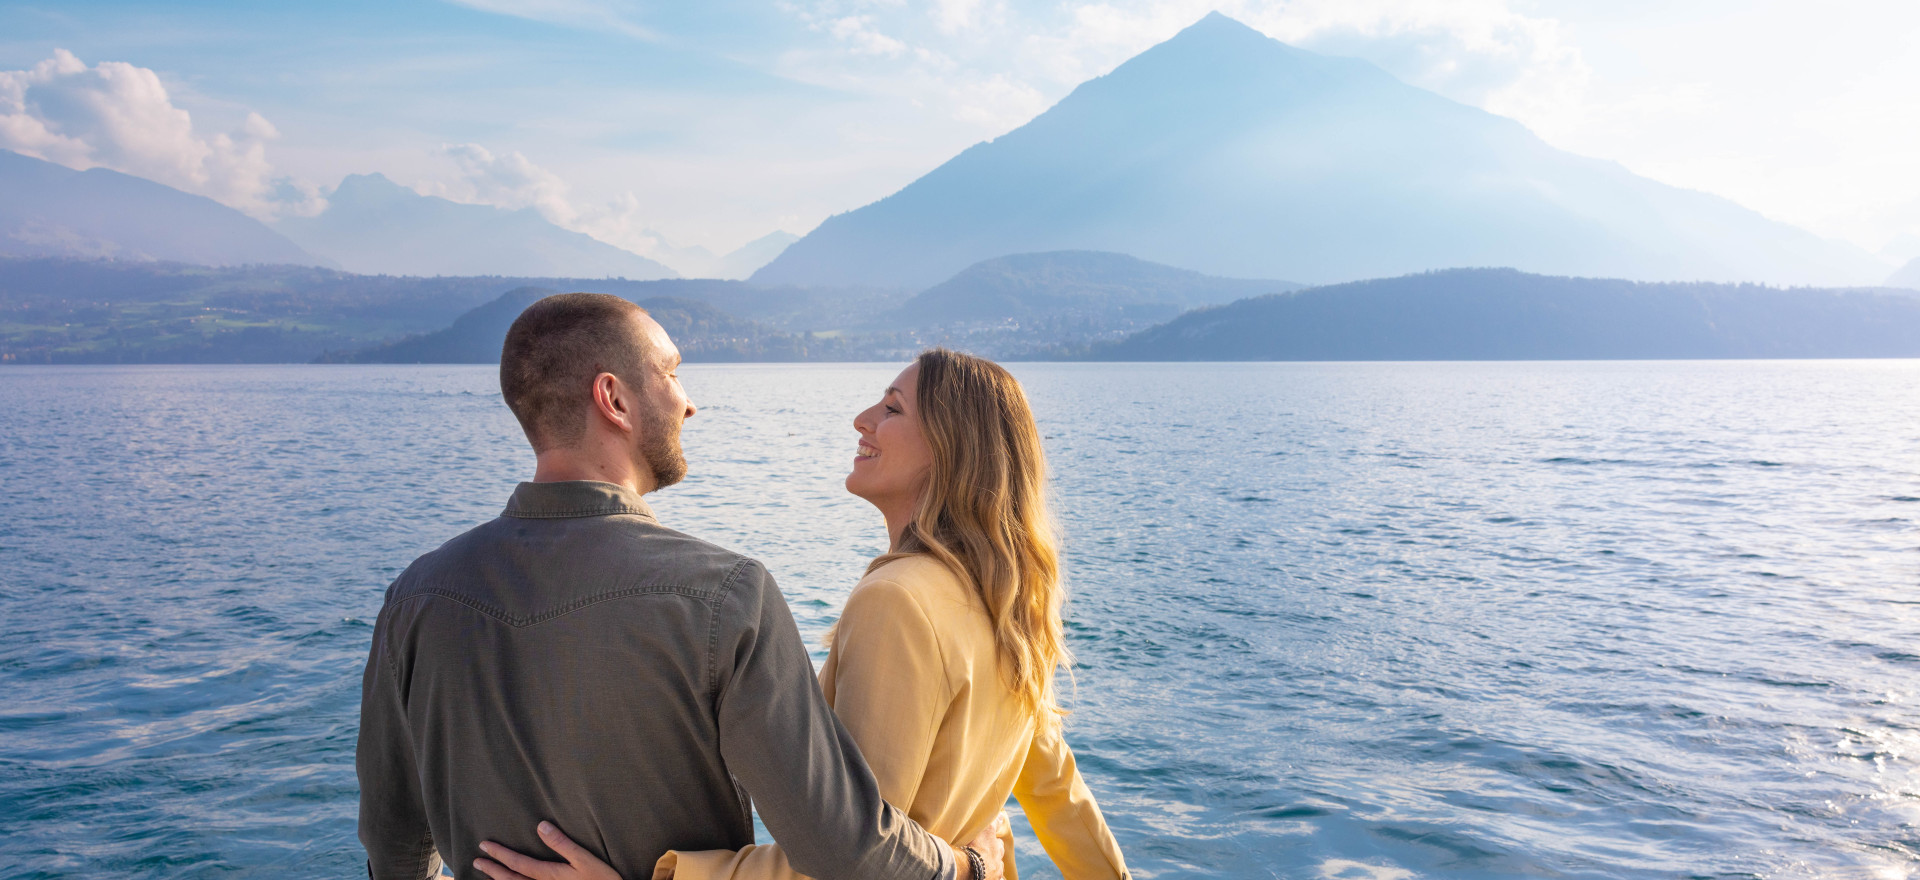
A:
{"points": [[913, 674]]}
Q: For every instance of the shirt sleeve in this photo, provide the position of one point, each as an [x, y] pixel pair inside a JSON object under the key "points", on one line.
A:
{"points": [[890, 690], [1063, 813], [393, 818], [796, 760]]}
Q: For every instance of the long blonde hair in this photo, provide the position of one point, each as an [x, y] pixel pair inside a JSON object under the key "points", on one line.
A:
{"points": [[984, 515]]}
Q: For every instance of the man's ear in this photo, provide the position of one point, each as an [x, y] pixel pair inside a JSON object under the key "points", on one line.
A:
{"points": [[614, 401]]}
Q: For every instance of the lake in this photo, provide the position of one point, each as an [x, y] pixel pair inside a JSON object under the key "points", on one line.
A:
{"points": [[1371, 621]]}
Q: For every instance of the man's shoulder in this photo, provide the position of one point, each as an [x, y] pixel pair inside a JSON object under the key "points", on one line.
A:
{"points": [[622, 548]]}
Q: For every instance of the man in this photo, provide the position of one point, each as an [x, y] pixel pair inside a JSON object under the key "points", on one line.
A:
{"points": [[575, 661]]}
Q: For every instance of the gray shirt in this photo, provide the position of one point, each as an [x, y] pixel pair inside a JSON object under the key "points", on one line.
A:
{"points": [[575, 661]]}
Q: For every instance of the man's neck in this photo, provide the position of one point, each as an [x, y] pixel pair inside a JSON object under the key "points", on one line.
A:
{"points": [[559, 465]]}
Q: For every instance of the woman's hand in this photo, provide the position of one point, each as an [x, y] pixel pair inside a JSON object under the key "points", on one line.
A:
{"points": [[509, 865]]}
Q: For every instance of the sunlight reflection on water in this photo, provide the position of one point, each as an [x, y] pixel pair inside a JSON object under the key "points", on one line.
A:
{"points": [[1334, 620]]}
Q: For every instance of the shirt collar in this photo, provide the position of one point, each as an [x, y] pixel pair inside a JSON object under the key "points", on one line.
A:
{"points": [[574, 498]]}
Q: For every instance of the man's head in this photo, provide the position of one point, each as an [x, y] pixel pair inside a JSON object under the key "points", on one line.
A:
{"points": [[591, 375]]}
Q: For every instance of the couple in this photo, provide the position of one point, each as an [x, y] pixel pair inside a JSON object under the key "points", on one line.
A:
{"points": [[575, 681]]}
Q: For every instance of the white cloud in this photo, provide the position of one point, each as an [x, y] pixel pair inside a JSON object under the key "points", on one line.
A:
{"points": [[994, 103], [118, 116], [1805, 117], [600, 15], [508, 181], [995, 65], [512, 181], [1480, 52], [954, 16], [858, 33]]}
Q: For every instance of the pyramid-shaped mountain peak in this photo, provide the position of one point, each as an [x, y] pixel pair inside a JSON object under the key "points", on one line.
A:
{"points": [[1217, 24], [1228, 152]]}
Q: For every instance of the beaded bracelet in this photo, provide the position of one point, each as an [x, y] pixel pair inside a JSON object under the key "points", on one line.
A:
{"points": [[978, 864]]}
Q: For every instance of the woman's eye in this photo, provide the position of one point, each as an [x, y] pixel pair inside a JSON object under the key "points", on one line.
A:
{"points": [[893, 411]]}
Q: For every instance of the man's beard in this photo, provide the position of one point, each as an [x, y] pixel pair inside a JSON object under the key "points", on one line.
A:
{"points": [[661, 451]]}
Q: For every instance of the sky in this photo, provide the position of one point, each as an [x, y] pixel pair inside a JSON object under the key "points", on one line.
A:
{"points": [[717, 122]]}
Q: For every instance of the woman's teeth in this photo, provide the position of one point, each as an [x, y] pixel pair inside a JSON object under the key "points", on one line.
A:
{"points": [[867, 451]]}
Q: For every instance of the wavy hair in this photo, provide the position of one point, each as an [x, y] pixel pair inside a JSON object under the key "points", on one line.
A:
{"points": [[984, 515]]}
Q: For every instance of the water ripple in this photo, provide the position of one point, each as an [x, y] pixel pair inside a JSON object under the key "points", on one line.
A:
{"points": [[1370, 621]]}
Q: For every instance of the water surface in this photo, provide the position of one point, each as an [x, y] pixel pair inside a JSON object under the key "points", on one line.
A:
{"points": [[1333, 620]]}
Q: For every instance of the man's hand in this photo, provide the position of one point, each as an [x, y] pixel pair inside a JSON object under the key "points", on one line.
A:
{"points": [[992, 850]]}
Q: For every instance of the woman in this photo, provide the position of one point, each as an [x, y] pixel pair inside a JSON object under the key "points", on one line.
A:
{"points": [[942, 664]]}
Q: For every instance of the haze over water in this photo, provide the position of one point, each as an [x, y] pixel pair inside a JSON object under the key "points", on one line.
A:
{"points": [[1625, 619]]}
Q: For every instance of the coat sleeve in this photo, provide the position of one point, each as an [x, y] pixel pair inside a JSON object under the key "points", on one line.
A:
{"points": [[393, 817], [890, 685], [1063, 813], [890, 692], [798, 762]]}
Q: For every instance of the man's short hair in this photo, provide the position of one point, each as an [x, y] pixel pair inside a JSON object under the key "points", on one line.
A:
{"points": [[553, 351]]}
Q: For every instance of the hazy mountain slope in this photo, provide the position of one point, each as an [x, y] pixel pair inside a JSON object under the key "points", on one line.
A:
{"points": [[698, 262], [700, 331], [49, 210], [743, 261], [1501, 314], [61, 310], [1908, 276], [1229, 153], [376, 226], [1080, 283]]}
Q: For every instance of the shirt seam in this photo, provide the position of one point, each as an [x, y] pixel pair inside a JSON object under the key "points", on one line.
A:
{"points": [[939, 643], [939, 647], [425, 848], [946, 668], [713, 630], [500, 614], [577, 512]]}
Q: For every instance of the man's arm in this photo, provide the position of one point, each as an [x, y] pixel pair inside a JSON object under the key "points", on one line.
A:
{"points": [[393, 819], [782, 741]]}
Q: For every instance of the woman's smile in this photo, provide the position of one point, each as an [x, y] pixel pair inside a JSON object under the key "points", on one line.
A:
{"points": [[865, 452]]}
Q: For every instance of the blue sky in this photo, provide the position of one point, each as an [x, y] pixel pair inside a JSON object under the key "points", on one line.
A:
{"points": [[713, 123]]}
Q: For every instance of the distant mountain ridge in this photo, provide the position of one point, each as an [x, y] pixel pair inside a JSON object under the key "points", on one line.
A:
{"points": [[1229, 153], [377, 227], [1503, 314], [118, 311], [111, 311], [50, 210], [739, 263], [1907, 276], [701, 332], [1090, 283]]}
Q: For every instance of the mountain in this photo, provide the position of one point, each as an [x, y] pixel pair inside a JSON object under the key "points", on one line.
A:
{"points": [[116, 311], [743, 261], [701, 332], [1502, 314], [375, 226], [49, 210], [698, 262], [1230, 153], [1087, 284], [1908, 276]]}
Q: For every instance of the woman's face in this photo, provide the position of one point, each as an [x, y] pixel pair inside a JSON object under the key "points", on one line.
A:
{"points": [[890, 468]]}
